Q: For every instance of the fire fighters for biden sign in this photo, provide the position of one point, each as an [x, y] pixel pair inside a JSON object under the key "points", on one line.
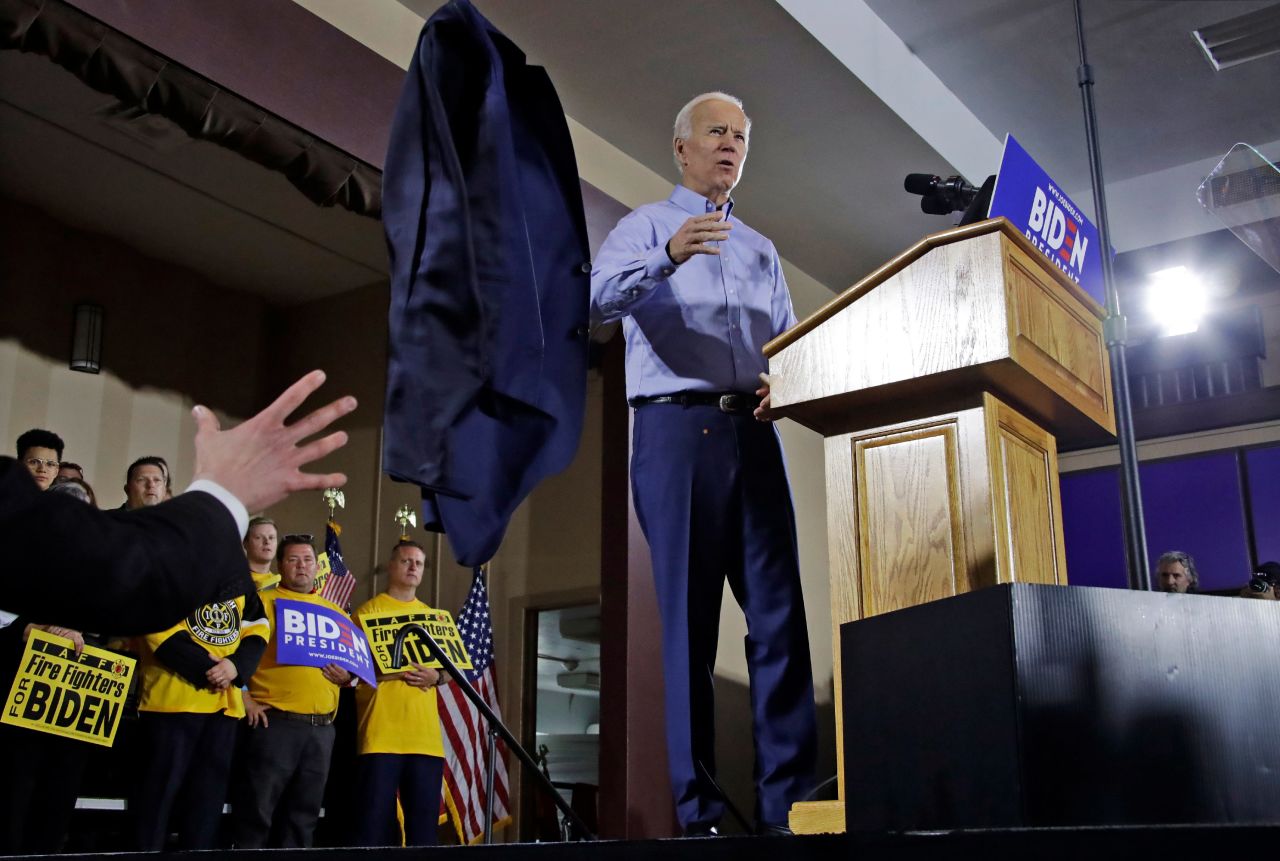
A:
{"points": [[1035, 205], [58, 692], [310, 635]]}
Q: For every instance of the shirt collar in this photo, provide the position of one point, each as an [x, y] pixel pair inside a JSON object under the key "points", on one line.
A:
{"points": [[695, 204]]}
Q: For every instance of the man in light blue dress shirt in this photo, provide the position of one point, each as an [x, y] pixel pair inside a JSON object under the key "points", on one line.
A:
{"points": [[699, 293]]}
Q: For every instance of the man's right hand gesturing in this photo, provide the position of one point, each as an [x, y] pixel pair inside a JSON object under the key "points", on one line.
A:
{"points": [[698, 235]]}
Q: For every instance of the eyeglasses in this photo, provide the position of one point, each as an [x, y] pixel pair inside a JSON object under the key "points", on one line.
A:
{"points": [[297, 538], [35, 463]]}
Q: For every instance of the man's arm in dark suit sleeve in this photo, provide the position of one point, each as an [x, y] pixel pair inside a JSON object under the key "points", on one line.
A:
{"points": [[181, 654], [128, 572]]}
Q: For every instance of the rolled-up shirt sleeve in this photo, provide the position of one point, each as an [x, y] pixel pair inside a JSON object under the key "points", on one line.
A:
{"points": [[631, 265]]}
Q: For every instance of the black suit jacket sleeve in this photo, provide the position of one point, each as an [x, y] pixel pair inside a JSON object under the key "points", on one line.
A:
{"points": [[247, 658], [124, 571], [181, 654]]}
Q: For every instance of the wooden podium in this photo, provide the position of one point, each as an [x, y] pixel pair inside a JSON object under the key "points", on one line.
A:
{"points": [[942, 382]]}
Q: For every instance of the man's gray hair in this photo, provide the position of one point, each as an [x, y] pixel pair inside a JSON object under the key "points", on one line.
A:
{"points": [[683, 128], [1185, 560]]}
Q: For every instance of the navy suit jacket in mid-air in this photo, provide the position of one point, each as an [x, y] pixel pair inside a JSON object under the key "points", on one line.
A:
{"points": [[486, 375]]}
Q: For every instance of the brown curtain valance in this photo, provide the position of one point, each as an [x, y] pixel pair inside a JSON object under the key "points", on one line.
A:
{"points": [[110, 62]]}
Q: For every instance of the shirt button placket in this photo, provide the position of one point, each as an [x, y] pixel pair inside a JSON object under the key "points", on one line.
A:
{"points": [[731, 310]]}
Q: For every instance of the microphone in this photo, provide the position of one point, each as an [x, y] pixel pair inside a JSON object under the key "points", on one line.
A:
{"points": [[940, 196], [921, 183]]}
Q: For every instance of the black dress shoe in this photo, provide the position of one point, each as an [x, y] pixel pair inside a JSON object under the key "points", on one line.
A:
{"points": [[702, 831], [767, 830]]}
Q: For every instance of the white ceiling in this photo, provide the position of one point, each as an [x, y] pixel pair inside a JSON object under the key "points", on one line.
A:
{"points": [[849, 97], [1159, 102], [828, 97], [1165, 117], [824, 174]]}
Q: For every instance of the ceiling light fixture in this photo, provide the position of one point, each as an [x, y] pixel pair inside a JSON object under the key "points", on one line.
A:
{"points": [[1176, 299], [86, 338], [1241, 39]]}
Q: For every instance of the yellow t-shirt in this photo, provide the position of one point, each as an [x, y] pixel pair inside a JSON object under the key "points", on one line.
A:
{"points": [[396, 717], [303, 690], [264, 581], [217, 628]]}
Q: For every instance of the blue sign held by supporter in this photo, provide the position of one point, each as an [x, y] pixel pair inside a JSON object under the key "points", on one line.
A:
{"points": [[1033, 203], [309, 635]]}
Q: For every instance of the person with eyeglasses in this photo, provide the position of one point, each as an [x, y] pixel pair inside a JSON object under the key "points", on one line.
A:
{"points": [[144, 570], [41, 451]]}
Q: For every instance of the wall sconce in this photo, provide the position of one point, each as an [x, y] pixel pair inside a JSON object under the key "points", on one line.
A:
{"points": [[86, 339]]}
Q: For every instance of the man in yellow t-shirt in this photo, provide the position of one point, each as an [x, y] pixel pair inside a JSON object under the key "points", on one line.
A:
{"points": [[189, 709], [290, 710], [260, 549], [399, 728]]}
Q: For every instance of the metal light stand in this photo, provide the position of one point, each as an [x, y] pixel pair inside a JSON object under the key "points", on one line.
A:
{"points": [[495, 728], [1114, 330]]}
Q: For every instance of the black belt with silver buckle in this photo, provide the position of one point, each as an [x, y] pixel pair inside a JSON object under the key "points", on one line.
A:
{"points": [[314, 720], [734, 403]]}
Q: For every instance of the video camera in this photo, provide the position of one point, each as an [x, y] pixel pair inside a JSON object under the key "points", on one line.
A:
{"points": [[1267, 576]]}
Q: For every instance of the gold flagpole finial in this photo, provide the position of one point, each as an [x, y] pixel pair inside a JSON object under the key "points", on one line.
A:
{"points": [[334, 498], [406, 517]]}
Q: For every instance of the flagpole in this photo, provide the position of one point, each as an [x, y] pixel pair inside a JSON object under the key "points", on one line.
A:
{"points": [[495, 725], [490, 764]]}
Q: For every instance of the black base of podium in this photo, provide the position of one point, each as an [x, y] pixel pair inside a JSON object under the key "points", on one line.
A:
{"points": [[1033, 706]]}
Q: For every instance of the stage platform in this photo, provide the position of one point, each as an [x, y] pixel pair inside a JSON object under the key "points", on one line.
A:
{"points": [[1169, 842]]}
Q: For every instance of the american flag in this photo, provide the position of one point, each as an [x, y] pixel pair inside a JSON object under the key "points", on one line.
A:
{"points": [[466, 741], [340, 582]]}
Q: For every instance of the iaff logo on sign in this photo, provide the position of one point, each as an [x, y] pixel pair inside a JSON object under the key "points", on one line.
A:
{"points": [[312, 635], [439, 624], [58, 693]]}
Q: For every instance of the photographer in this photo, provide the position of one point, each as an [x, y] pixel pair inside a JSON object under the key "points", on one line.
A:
{"points": [[1263, 584]]}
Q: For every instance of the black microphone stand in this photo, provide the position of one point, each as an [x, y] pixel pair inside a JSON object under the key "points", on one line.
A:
{"points": [[1114, 330], [577, 829]]}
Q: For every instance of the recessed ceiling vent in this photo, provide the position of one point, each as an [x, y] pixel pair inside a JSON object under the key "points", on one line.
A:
{"points": [[1241, 39]]}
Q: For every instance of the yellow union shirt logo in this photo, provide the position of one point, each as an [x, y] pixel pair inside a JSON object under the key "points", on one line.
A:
{"points": [[58, 693]]}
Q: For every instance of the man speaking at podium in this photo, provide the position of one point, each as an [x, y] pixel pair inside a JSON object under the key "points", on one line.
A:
{"points": [[699, 293]]}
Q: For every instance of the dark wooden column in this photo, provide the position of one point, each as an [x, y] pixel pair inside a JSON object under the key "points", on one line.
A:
{"points": [[635, 792]]}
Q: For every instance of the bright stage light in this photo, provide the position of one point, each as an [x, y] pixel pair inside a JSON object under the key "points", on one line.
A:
{"points": [[1176, 299]]}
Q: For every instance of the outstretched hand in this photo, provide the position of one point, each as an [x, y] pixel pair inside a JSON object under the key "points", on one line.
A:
{"points": [[260, 460], [700, 234]]}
